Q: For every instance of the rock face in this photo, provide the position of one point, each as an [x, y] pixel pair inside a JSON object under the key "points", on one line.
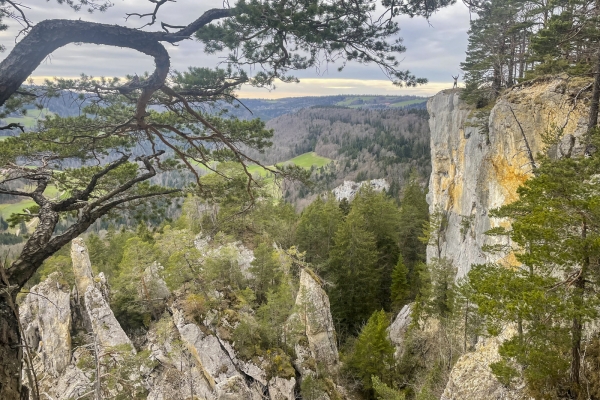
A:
{"points": [[473, 173], [399, 327], [104, 325], [475, 170], [178, 357], [46, 318], [472, 379], [348, 189], [314, 319]]}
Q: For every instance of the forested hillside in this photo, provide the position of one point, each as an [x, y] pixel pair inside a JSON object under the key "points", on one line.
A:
{"points": [[365, 144]]}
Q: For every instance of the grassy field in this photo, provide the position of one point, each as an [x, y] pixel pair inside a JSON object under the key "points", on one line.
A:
{"points": [[30, 120], [408, 103], [305, 160], [7, 209], [308, 160]]}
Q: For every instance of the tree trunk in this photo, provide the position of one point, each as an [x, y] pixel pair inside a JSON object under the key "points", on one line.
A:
{"points": [[576, 333], [593, 116], [49, 35], [11, 351], [578, 303]]}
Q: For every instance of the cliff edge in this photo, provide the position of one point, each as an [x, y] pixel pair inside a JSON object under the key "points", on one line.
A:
{"points": [[478, 164]]}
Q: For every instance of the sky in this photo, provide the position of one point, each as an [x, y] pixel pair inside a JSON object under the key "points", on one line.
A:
{"points": [[435, 49]]}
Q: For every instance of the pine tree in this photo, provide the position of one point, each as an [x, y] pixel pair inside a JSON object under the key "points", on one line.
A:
{"points": [[490, 61]]}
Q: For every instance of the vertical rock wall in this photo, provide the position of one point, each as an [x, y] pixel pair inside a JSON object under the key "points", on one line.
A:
{"points": [[473, 173]]}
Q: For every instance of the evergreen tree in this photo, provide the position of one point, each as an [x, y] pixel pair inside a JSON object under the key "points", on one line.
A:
{"points": [[265, 271], [556, 225], [355, 275], [133, 299], [490, 61], [414, 216], [373, 353], [382, 218], [400, 287], [317, 227]]}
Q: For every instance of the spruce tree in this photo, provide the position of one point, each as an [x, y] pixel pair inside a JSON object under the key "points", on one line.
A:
{"points": [[355, 275], [400, 286], [382, 218], [317, 227], [373, 353]]}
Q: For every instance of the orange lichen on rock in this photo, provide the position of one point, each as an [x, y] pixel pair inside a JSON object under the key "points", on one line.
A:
{"points": [[509, 177]]}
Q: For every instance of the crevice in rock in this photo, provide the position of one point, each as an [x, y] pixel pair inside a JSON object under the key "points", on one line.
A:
{"points": [[248, 378]]}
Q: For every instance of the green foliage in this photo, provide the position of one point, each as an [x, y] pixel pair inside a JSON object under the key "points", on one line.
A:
{"points": [[133, 299], [414, 216], [382, 219], [120, 370], [317, 227], [373, 353], [176, 251], [222, 270], [400, 286], [59, 262], [312, 38], [195, 306], [272, 316], [354, 270], [313, 388], [384, 392], [265, 270], [555, 224]]}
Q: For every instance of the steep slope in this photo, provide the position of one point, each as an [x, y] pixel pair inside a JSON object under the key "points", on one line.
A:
{"points": [[365, 144]]}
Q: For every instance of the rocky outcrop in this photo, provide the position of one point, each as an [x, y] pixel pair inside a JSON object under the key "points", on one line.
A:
{"points": [[46, 319], [472, 379], [314, 320], [104, 325], [398, 328], [348, 189], [477, 166], [241, 253], [475, 170], [179, 357]]}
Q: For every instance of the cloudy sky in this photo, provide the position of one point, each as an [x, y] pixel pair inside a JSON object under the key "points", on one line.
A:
{"points": [[435, 49]]}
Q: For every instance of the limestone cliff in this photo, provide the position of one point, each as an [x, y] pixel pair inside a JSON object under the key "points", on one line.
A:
{"points": [[474, 172], [477, 166]]}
